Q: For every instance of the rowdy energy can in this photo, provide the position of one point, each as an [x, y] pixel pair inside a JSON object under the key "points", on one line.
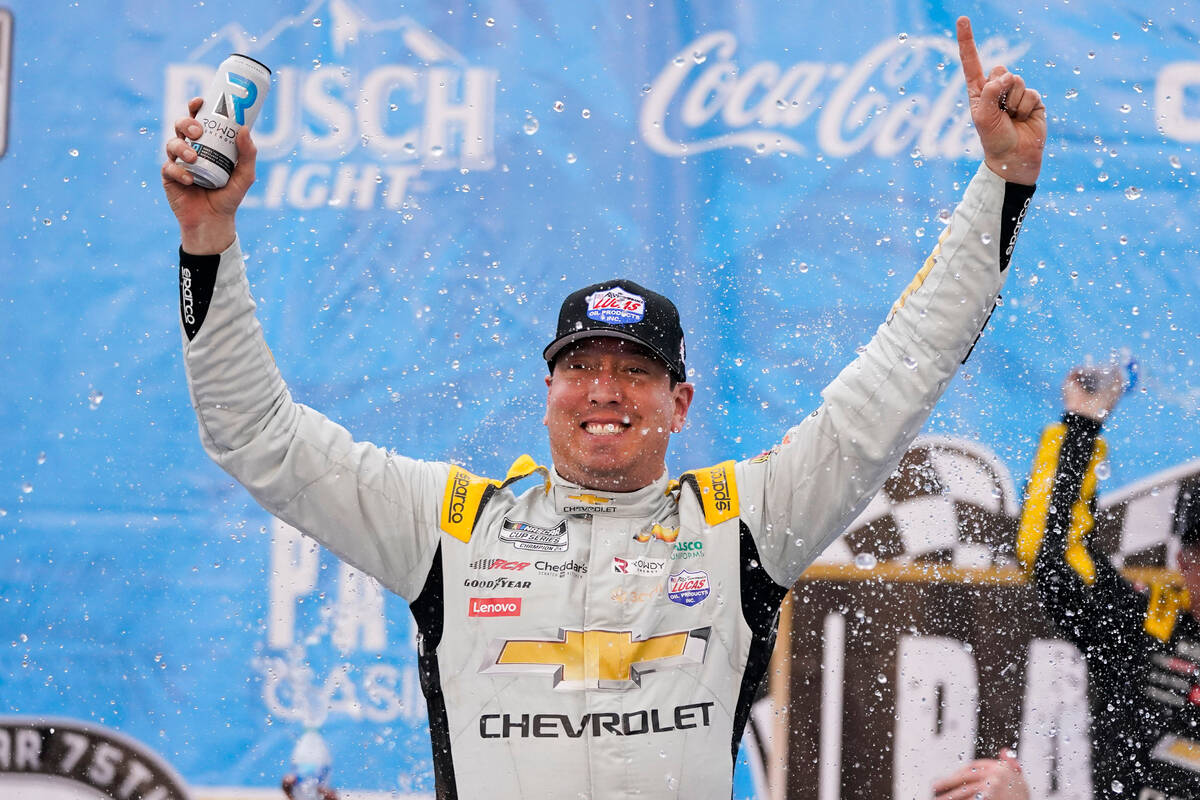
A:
{"points": [[232, 102]]}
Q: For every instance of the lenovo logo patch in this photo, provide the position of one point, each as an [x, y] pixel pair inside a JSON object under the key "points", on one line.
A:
{"points": [[494, 607]]}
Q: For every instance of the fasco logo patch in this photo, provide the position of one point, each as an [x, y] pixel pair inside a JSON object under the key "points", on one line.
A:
{"points": [[687, 550], [494, 607], [688, 588], [616, 306]]}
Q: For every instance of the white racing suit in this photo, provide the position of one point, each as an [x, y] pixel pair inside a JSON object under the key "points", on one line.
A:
{"points": [[576, 643]]}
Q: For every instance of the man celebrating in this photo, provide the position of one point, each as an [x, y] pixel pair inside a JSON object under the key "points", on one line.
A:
{"points": [[602, 633], [1142, 647]]}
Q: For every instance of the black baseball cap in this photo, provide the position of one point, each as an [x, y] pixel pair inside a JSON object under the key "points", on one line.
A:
{"points": [[625, 310], [1187, 511]]}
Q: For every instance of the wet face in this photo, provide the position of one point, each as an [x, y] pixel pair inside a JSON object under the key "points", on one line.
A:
{"points": [[610, 411]]}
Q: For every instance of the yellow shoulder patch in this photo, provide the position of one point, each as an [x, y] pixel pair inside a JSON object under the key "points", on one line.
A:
{"points": [[466, 493], [717, 489], [1162, 612]]}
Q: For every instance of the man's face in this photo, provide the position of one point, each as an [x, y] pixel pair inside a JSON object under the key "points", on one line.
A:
{"points": [[610, 411]]}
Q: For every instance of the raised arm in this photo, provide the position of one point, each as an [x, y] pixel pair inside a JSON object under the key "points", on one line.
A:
{"points": [[810, 487], [1080, 590], [375, 510]]}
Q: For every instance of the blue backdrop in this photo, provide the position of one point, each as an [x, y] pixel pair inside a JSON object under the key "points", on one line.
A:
{"points": [[433, 178]]}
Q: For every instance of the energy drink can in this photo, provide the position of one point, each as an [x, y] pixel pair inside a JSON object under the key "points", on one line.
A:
{"points": [[232, 102]]}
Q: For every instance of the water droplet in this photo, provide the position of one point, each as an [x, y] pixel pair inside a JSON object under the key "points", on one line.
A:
{"points": [[985, 237], [316, 22], [1124, 108], [699, 57], [26, 487], [902, 37], [1175, 162], [645, 88], [572, 158], [865, 561], [491, 23], [996, 492], [944, 216], [410, 148], [1103, 471], [1091, 54], [41, 459], [559, 105], [739, 361], [47, 222], [1117, 787], [916, 153], [802, 266], [881, 678], [143, 131], [1146, 25], [531, 125], [672, 783], [1116, 36], [95, 398], [586, 113], [73, 153], [1072, 94], [1132, 192], [910, 362]]}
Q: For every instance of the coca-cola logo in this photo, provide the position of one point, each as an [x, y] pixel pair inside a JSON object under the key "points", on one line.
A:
{"points": [[905, 94]]}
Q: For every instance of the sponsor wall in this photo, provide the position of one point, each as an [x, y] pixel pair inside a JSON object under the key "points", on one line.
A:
{"points": [[432, 180]]}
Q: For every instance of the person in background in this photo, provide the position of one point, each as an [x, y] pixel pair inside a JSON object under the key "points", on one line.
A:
{"points": [[985, 779], [1141, 643]]}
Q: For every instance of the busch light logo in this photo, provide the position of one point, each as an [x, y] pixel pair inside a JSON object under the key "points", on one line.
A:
{"points": [[616, 306], [688, 588], [902, 95], [360, 112]]}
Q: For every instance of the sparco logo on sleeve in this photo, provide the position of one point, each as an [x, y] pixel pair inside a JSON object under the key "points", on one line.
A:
{"points": [[524, 536]]}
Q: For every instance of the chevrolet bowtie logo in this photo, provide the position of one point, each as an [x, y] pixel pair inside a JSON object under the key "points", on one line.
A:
{"points": [[590, 498], [596, 659]]}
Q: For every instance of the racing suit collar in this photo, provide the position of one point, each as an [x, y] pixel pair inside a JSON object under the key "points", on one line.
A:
{"points": [[571, 499]]}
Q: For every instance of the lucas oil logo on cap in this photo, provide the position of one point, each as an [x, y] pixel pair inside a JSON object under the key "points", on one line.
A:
{"points": [[616, 306]]}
